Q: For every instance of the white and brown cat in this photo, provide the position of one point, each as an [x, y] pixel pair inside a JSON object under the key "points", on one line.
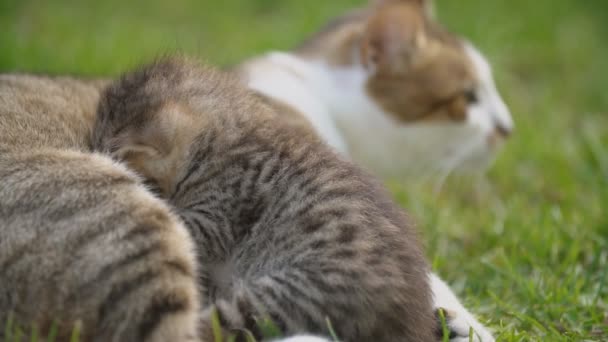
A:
{"points": [[396, 92], [391, 88]]}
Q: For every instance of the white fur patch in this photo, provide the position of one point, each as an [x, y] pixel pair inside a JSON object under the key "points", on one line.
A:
{"points": [[491, 110], [336, 103], [283, 77], [460, 320]]}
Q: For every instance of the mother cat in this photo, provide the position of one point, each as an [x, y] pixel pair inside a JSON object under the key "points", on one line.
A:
{"points": [[392, 89]]}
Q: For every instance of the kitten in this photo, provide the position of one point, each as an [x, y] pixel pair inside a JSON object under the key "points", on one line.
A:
{"points": [[82, 242], [393, 90], [283, 225]]}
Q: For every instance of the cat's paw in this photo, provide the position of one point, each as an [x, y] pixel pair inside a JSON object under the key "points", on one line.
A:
{"points": [[460, 325], [459, 320]]}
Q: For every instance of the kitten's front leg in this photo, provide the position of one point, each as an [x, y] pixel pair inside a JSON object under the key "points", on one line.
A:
{"points": [[458, 319]]}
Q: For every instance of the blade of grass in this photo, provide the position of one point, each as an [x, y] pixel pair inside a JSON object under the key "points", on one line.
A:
{"points": [[76, 332], [34, 334], [216, 327], [53, 331], [8, 327], [332, 332], [444, 325]]}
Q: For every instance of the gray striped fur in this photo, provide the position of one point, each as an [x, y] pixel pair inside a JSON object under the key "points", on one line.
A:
{"points": [[284, 226], [82, 242]]}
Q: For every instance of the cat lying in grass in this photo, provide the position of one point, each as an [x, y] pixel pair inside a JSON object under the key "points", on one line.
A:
{"points": [[390, 88]]}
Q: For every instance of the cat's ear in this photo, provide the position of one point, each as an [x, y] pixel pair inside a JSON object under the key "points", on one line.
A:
{"points": [[394, 36], [156, 148]]}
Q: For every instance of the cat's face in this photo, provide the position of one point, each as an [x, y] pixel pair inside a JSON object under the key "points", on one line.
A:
{"points": [[423, 77]]}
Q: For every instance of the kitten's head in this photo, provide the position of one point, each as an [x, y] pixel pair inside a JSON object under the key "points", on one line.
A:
{"points": [[147, 119], [422, 75], [159, 118]]}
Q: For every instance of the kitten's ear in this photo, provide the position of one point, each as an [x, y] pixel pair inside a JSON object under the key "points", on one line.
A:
{"points": [[393, 37], [157, 147]]}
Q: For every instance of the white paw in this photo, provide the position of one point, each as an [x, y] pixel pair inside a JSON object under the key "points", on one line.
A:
{"points": [[460, 324], [458, 319]]}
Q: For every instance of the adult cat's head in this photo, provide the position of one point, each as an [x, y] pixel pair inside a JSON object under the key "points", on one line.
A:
{"points": [[408, 94]]}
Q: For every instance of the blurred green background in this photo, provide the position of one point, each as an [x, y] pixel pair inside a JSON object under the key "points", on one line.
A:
{"points": [[529, 251]]}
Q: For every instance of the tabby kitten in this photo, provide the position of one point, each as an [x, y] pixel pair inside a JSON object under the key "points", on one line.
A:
{"points": [[285, 228], [82, 242]]}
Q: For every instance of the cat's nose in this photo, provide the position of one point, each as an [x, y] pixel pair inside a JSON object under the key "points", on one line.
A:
{"points": [[503, 131], [503, 123], [500, 133]]}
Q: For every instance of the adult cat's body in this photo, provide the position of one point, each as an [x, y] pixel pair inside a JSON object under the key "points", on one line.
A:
{"points": [[392, 89], [82, 242], [284, 226]]}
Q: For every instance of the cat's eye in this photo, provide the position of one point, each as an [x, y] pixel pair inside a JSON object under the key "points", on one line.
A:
{"points": [[471, 96]]}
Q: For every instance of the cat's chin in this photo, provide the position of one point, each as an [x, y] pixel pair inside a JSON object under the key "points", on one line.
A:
{"points": [[471, 156], [479, 162], [421, 151]]}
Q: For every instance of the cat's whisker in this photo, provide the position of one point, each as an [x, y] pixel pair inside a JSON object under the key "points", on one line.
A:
{"points": [[453, 163]]}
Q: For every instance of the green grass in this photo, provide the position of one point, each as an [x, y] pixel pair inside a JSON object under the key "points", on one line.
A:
{"points": [[529, 251], [13, 332]]}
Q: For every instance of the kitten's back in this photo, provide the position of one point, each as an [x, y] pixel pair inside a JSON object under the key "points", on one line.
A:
{"points": [[284, 226], [81, 241]]}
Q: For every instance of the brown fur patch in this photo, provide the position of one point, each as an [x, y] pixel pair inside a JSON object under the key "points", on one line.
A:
{"points": [[155, 148], [421, 70], [335, 43]]}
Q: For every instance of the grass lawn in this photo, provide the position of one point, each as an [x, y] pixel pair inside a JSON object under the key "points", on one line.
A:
{"points": [[529, 251]]}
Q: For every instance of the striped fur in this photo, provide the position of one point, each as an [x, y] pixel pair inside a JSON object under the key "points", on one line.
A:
{"points": [[284, 227], [82, 242]]}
